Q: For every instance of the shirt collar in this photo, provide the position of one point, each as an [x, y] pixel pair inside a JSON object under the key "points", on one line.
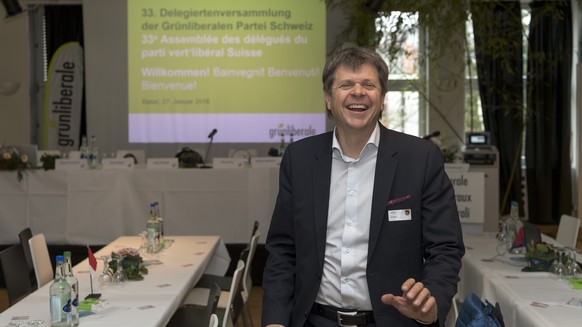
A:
{"points": [[373, 141]]}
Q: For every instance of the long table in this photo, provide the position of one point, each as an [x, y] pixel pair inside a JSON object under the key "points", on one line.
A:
{"points": [[82, 207], [527, 299], [150, 302]]}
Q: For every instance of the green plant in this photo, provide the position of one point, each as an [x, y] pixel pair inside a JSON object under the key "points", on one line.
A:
{"points": [[132, 263]]}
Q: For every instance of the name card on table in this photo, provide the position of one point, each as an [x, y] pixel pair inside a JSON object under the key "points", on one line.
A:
{"points": [[229, 162], [265, 162], [469, 195], [65, 164], [162, 163], [110, 163]]}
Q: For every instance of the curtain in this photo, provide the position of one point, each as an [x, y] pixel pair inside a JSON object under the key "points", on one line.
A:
{"points": [[498, 36], [548, 127], [65, 24]]}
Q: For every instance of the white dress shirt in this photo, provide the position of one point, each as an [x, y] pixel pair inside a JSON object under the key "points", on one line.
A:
{"points": [[344, 284]]}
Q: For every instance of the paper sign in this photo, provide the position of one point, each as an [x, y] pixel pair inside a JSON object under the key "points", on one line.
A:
{"points": [[162, 163], [110, 163], [229, 162], [66, 164], [469, 195], [265, 162]]}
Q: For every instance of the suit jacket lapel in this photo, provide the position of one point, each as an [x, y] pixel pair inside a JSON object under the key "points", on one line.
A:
{"points": [[386, 164], [321, 180]]}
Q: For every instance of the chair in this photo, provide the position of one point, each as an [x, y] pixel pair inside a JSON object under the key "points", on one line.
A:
{"points": [[24, 236], [230, 303], [198, 316], [15, 273], [41, 260], [568, 231], [213, 320], [225, 283]]}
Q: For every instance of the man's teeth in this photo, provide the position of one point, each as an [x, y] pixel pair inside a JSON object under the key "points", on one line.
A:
{"points": [[357, 107]]}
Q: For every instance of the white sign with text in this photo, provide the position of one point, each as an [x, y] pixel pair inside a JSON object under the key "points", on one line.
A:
{"points": [[469, 195]]}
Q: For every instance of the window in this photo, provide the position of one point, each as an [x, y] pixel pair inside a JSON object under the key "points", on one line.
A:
{"points": [[404, 111]]}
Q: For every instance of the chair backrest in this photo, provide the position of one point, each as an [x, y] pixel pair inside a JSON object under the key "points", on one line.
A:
{"points": [[24, 236], [254, 230], [568, 231], [213, 297], [247, 281], [15, 274], [213, 320], [43, 267], [230, 312]]}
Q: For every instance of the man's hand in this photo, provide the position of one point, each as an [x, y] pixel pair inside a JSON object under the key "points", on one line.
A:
{"points": [[416, 302]]}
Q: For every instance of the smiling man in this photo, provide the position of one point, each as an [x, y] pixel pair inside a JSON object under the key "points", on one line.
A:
{"points": [[365, 230]]}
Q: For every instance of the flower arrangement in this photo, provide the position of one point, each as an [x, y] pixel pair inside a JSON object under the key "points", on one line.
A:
{"points": [[11, 159], [132, 263], [540, 256]]}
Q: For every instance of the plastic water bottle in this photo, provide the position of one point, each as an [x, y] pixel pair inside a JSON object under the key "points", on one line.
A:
{"points": [[74, 282], [60, 298]]}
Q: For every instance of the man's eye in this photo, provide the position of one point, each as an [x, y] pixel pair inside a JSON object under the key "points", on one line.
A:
{"points": [[346, 86], [370, 86]]}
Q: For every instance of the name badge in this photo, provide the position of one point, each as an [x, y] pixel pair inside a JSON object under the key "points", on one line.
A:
{"points": [[400, 215]]}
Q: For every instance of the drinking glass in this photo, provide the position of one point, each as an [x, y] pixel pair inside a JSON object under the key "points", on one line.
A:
{"points": [[573, 268], [119, 277], [558, 269], [104, 279]]}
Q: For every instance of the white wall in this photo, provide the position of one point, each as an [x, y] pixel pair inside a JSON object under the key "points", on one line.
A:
{"points": [[14, 67]]}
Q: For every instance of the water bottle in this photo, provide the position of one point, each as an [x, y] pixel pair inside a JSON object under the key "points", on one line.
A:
{"points": [[160, 221], [154, 225], [60, 298], [84, 149], [282, 145], [74, 282], [93, 153], [514, 231]]}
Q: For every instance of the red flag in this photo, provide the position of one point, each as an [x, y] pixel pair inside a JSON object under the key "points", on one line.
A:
{"points": [[92, 261]]}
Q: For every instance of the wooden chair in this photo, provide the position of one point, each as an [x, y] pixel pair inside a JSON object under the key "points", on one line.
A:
{"points": [[24, 236], [43, 268], [15, 273]]}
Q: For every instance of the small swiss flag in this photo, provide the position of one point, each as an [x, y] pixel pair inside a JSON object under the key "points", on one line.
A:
{"points": [[92, 261]]}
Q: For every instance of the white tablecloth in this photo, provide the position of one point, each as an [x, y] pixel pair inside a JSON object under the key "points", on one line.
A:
{"points": [[150, 302], [96, 206], [501, 280]]}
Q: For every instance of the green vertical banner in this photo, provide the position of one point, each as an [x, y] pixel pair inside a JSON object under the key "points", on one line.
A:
{"points": [[63, 99]]}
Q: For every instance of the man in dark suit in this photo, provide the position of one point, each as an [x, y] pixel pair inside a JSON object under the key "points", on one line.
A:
{"points": [[365, 230]]}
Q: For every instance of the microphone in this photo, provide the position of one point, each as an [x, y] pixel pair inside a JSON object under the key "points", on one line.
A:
{"points": [[205, 161], [431, 135]]}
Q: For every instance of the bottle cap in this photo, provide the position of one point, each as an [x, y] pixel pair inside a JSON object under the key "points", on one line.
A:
{"points": [[67, 254], [60, 258]]}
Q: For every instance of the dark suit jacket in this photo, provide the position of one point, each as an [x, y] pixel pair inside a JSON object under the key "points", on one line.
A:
{"points": [[429, 247]]}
